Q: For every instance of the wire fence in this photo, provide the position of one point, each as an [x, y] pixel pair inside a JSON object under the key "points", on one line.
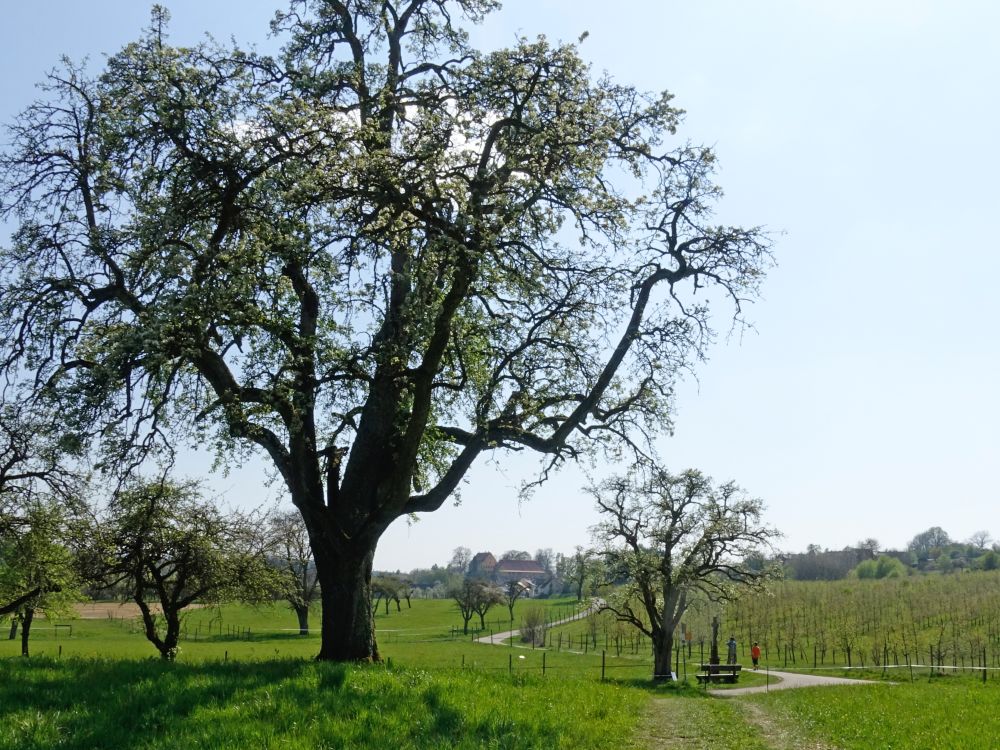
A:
{"points": [[620, 652]]}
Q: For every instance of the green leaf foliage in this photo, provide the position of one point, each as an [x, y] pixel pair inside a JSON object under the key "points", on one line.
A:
{"points": [[169, 549]]}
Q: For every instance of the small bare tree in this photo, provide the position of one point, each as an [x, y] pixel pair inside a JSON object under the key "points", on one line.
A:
{"points": [[675, 537], [460, 559], [291, 555], [980, 539], [513, 591], [534, 626]]}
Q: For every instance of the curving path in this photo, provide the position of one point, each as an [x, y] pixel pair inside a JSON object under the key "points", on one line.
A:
{"points": [[790, 680], [784, 680], [497, 639]]}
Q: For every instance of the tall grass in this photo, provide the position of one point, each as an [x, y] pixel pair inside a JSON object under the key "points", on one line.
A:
{"points": [[71, 703]]}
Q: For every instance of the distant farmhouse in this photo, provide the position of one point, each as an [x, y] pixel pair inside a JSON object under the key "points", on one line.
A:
{"points": [[515, 570], [482, 566], [535, 580]]}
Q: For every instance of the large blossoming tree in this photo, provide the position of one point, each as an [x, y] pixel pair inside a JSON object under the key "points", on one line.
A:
{"points": [[373, 259]]}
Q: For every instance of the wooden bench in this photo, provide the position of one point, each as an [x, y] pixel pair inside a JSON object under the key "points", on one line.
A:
{"points": [[713, 668], [711, 673], [727, 677]]}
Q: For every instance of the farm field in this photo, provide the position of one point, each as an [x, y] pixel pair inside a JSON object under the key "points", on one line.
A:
{"points": [[951, 622], [244, 677], [882, 628]]}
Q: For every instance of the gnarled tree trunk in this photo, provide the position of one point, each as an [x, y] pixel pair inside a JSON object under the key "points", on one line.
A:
{"points": [[663, 649], [348, 626], [167, 645]]}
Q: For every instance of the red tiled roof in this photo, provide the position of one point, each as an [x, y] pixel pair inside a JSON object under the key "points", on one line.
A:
{"points": [[529, 567]]}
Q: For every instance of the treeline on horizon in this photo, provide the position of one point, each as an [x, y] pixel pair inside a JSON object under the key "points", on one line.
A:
{"points": [[930, 551]]}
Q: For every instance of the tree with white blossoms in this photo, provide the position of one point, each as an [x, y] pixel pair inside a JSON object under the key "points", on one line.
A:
{"points": [[374, 258]]}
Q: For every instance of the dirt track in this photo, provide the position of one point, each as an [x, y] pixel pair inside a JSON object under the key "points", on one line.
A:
{"points": [[113, 610]]}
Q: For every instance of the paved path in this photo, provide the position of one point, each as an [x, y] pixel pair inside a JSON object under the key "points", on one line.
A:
{"points": [[497, 639], [790, 680], [783, 681]]}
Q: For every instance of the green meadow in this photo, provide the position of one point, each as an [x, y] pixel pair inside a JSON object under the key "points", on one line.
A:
{"points": [[245, 678]]}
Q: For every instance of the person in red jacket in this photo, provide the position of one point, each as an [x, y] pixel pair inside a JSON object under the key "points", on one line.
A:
{"points": [[755, 653]]}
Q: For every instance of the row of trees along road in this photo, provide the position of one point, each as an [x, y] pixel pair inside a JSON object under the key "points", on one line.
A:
{"points": [[373, 257]]}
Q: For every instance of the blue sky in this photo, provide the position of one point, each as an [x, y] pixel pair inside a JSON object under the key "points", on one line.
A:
{"points": [[863, 135]]}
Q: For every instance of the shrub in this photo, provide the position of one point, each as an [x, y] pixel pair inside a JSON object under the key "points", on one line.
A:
{"points": [[534, 626]]}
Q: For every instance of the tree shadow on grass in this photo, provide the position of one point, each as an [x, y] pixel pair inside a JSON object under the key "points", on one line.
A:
{"points": [[98, 703], [77, 704]]}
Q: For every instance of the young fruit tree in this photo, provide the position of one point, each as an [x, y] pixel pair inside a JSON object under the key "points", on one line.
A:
{"points": [[38, 571], [169, 548], [374, 258], [40, 493], [676, 539], [473, 596], [512, 591], [387, 589]]}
